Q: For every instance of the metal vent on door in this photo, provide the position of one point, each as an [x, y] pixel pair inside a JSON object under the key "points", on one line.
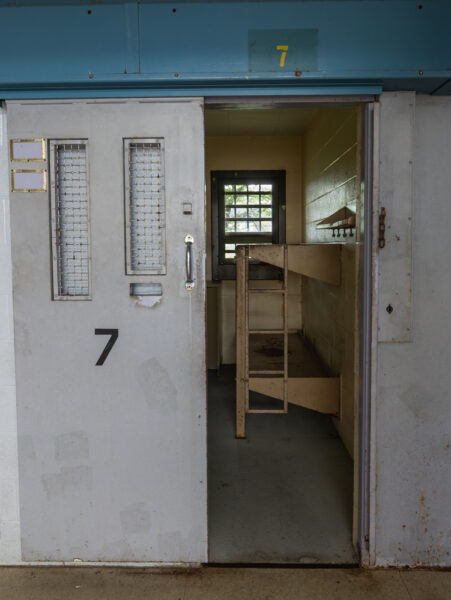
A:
{"points": [[145, 206], [70, 219]]}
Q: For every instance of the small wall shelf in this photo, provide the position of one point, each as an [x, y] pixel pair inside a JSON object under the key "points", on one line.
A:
{"points": [[342, 220]]}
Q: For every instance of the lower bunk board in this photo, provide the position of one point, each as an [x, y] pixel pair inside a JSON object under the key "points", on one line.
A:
{"points": [[310, 383], [321, 394], [266, 353]]}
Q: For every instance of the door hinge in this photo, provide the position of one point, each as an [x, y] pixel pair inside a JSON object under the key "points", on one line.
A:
{"points": [[382, 215]]}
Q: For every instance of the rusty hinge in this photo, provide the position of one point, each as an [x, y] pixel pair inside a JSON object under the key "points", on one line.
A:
{"points": [[382, 216]]}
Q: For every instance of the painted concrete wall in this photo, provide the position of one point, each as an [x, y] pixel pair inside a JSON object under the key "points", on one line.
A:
{"points": [[411, 511], [329, 183], [9, 470], [248, 153]]}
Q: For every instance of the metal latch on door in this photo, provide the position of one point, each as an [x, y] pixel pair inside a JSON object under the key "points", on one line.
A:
{"points": [[189, 284]]}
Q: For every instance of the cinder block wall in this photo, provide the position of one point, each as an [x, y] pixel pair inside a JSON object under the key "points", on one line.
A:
{"points": [[329, 183]]}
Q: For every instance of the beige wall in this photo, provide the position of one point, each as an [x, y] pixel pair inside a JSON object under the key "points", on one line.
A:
{"points": [[329, 183], [257, 153]]}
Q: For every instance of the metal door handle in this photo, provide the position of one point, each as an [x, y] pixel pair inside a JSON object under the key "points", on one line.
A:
{"points": [[189, 284]]}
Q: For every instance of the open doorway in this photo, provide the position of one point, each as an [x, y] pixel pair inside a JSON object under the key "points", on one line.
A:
{"points": [[287, 179]]}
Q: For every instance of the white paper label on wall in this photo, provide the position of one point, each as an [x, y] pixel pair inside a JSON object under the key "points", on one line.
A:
{"points": [[28, 180], [28, 150]]}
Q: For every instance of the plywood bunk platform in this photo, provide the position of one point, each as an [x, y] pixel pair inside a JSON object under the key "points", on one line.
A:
{"points": [[279, 363], [310, 383]]}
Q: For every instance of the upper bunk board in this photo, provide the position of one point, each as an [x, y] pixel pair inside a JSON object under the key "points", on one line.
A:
{"points": [[319, 261]]}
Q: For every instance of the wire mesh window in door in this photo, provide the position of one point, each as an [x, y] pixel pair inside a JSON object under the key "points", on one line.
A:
{"points": [[145, 206], [70, 219]]}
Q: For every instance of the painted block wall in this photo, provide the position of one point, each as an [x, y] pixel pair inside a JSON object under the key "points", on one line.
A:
{"points": [[412, 416], [262, 153], [329, 183], [9, 470]]}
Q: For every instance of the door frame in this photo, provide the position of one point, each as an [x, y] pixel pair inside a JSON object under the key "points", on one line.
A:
{"points": [[363, 477]]}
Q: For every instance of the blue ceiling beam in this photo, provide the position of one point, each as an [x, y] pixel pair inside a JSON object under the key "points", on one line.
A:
{"points": [[82, 47]]}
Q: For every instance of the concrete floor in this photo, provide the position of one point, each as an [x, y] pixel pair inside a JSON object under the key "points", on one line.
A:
{"points": [[284, 494], [80, 583]]}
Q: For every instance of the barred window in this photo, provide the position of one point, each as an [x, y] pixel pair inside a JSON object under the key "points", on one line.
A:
{"points": [[247, 208]]}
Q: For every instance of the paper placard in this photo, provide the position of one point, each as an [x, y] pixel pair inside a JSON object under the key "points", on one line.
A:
{"points": [[28, 150], [28, 181]]}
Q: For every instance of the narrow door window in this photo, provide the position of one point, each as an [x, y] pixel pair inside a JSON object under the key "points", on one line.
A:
{"points": [[70, 219], [145, 209]]}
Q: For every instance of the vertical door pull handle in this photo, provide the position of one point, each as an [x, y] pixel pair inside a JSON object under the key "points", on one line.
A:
{"points": [[189, 283]]}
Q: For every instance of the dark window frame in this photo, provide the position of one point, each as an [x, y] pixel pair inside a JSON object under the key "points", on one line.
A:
{"points": [[221, 269]]}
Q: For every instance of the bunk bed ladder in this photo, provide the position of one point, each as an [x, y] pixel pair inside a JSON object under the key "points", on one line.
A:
{"points": [[243, 333]]}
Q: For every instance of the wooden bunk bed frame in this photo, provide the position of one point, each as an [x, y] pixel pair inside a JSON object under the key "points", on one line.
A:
{"points": [[307, 382]]}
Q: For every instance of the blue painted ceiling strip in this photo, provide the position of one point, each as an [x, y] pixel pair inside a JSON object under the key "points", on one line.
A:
{"points": [[141, 92], [166, 2]]}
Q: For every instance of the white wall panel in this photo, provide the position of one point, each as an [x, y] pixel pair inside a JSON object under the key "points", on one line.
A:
{"points": [[412, 404], [9, 478]]}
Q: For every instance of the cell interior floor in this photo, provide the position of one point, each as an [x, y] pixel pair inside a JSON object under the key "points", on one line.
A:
{"points": [[282, 495]]}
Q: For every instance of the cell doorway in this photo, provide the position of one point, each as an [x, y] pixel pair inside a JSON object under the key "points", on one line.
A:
{"points": [[285, 189]]}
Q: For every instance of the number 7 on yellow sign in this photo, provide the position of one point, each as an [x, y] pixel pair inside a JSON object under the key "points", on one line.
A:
{"points": [[284, 50]]}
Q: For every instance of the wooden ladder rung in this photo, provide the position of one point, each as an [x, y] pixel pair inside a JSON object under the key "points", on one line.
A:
{"points": [[266, 291], [266, 372], [266, 411], [266, 331]]}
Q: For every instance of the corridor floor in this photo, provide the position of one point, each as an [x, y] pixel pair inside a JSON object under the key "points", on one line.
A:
{"points": [[80, 583]]}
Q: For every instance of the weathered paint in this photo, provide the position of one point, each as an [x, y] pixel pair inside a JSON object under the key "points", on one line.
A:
{"points": [[396, 202], [9, 476], [112, 459], [411, 417]]}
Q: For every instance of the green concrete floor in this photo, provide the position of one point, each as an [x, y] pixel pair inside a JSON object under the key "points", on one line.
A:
{"points": [[80, 583]]}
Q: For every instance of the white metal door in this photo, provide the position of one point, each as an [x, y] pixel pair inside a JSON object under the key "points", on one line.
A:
{"points": [[112, 456]]}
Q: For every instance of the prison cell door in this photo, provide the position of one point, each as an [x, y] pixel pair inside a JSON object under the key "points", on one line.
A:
{"points": [[107, 212]]}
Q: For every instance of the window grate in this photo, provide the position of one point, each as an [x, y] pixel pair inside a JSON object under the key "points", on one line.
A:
{"points": [[248, 213], [247, 207], [145, 206], [70, 219]]}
